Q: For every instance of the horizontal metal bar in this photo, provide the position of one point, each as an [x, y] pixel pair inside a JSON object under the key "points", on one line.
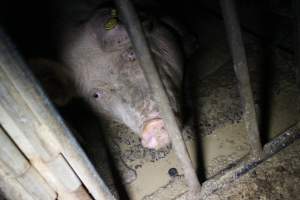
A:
{"points": [[244, 166]]}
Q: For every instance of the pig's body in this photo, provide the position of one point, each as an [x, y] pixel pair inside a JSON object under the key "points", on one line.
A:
{"points": [[102, 65]]}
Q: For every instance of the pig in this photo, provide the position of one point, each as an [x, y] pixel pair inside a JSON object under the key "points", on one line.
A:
{"points": [[100, 66]]}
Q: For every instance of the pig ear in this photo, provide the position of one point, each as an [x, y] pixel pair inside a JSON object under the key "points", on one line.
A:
{"points": [[54, 78], [187, 39]]}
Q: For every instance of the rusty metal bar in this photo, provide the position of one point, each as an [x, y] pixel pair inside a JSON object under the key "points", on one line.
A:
{"points": [[241, 70], [243, 166], [144, 56], [26, 112]]}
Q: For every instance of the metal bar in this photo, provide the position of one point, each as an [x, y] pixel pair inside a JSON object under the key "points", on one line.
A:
{"points": [[230, 175], [35, 140], [12, 189], [296, 9], [144, 56], [241, 70], [14, 165], [56, 170], [50, 123]]}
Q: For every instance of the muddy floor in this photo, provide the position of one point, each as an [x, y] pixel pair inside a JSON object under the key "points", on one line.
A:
{"points": [[217, 138]]}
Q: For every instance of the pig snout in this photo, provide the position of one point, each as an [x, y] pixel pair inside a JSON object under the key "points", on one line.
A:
{"points": [[105, 71], [155, 135]]}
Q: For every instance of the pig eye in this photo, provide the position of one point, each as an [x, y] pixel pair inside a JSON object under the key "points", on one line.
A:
{"points": [[98, 94]]}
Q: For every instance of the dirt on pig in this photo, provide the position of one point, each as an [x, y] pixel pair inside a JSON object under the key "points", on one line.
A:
{"points": [[215, 135], [223, 138]]}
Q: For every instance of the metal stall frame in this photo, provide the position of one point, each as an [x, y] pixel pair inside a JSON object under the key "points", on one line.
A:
{"points": [[256, 155], [35, 126], [23, 100]]}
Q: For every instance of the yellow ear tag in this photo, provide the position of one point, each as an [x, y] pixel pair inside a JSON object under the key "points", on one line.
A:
{"points": [[113, 21]]}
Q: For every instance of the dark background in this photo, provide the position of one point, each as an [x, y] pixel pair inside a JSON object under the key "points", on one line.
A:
{"points": [[33, 24]]}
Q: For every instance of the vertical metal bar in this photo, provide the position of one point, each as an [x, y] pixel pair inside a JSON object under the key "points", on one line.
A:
{"points": [[241, 70], [144, 56], [53, 130], [296, 9]]}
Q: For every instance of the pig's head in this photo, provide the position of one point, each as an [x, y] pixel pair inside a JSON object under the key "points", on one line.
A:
{"points": [[102, 65]]}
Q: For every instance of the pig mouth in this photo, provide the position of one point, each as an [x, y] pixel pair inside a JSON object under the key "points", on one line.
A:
{"points": [[155, 135]]}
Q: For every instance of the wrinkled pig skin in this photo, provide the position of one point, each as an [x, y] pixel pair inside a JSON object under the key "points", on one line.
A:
{"points": [[102, 65]]}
